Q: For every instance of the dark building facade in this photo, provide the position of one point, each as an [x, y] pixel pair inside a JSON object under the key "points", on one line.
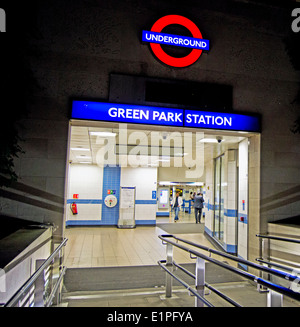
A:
{"points": [[93, 50]]}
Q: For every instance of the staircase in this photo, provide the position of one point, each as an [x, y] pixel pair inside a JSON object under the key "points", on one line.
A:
{"points": [[144, 286]]}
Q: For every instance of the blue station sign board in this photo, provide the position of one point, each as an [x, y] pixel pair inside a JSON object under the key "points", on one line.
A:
{"points": [[148, 115]]}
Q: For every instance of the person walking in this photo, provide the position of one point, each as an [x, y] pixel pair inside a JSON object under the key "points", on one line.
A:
{"points": [[198, 205], [176, 204]]}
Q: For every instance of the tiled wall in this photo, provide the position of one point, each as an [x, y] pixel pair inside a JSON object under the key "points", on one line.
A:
{"points": [[86, 181], [92, 184], [111, 181]]}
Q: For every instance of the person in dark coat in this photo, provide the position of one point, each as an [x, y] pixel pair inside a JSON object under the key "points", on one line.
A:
{"points": [[198, 205]]}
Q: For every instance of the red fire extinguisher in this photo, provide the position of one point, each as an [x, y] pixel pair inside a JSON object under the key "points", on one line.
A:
{"points": [[74, 208]]}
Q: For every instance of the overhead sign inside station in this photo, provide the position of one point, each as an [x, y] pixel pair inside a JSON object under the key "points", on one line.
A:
{"points": [[148, 115], [156, 39]]}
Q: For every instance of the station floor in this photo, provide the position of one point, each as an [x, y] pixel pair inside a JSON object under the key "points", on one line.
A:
{"points": [[111, 246]]}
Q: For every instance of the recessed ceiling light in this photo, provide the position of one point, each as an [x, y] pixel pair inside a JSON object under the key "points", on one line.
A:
{"points": [[208, 141], [85, 162], [80, 149]]}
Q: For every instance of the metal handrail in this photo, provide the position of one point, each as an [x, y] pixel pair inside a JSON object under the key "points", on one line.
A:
{"points": [[278, 238], [276, 265], [210, 287], [278, 273], [29, 283], [265, 248], [55, 288], [187, 286], [277, 288]]}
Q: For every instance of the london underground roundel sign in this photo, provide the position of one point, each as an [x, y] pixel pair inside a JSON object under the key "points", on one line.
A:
{"points": [[156, 38]]}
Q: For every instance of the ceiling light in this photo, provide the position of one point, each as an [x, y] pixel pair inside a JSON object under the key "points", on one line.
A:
{"points": [[80, 149], [103, 134], [208, 141], [85, 162]]}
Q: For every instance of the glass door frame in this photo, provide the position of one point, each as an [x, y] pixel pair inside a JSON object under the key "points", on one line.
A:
{"points": [[218, 229]]}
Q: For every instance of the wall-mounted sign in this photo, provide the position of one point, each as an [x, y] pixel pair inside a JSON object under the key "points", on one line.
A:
{"points": [[153, 195], [135, 114], [156, 38]]}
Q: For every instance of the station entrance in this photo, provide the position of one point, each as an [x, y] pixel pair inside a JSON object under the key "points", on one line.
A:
{"points": [[126, 175]]}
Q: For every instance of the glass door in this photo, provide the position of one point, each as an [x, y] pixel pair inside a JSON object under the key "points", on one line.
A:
{"points": [[219, 199]]}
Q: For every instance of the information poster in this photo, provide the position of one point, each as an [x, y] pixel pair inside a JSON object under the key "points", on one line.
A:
{"points": [[127, 207], [127, 197]]}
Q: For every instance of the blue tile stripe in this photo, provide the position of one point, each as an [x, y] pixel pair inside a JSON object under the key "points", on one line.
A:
{"points": [[163, 214], [230, 248], [100, 223], [85, 201], [83, 223], [145, 201], [209, 206], [145, 222], [230, 213], [100, 201]]}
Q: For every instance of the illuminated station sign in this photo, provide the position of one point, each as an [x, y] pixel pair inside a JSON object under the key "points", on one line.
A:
{"points": [[136, 114], [156, 39]]}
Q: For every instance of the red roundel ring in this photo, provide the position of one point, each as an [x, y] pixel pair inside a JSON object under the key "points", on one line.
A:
{"points": [[159, 52]]}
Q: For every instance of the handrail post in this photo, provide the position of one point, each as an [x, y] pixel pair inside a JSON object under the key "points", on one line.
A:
{"points": [[169, 262], [265, 248], [39, 286], [200, 280], [274, 299]]}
